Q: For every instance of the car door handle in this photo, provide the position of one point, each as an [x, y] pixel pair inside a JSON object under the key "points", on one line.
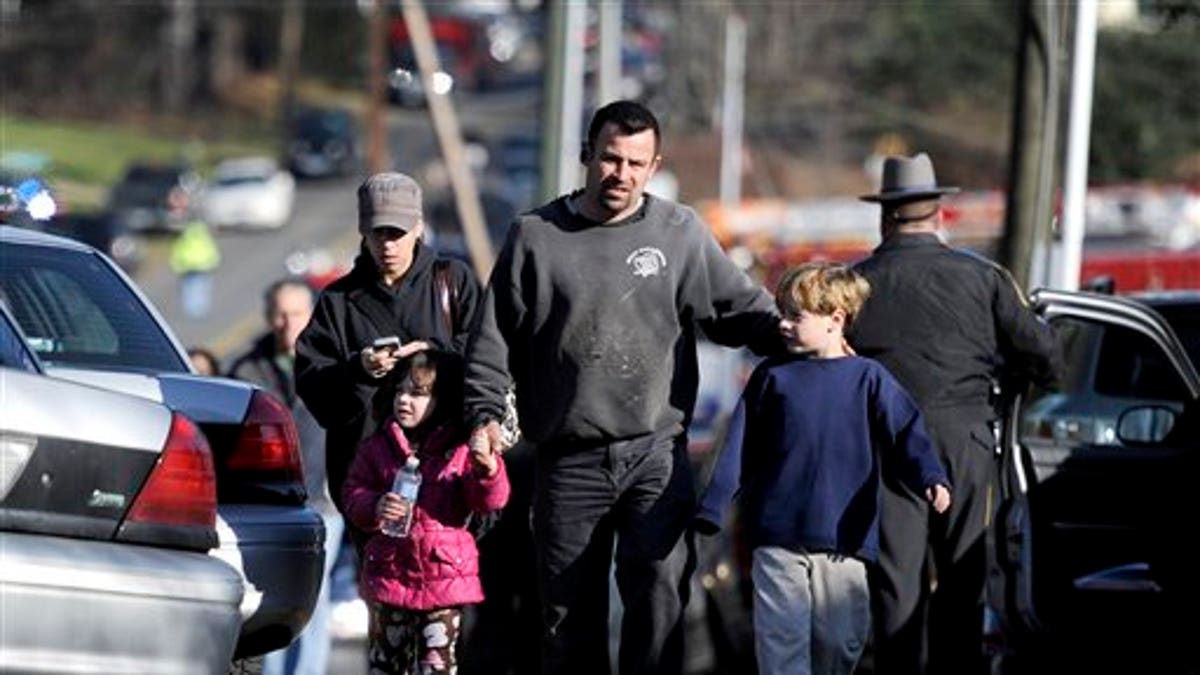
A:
{"points": [[1130, 578]]}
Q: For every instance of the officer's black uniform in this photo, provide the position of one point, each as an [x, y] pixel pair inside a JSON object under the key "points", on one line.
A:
{"points": [[946, 323]]}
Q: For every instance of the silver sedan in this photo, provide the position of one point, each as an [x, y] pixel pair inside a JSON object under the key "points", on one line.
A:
{"points": [[107, 509]]}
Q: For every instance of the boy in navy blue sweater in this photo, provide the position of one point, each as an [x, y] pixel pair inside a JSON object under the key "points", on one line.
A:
{"points": [[805, 451]]}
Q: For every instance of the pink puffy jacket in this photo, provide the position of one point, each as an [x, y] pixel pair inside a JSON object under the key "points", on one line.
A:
{"points": [[437, 565]]}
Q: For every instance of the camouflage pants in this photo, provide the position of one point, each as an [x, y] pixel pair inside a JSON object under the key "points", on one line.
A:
{"points": [[410, 642]]}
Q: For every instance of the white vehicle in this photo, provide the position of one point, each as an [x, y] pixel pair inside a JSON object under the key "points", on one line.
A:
{"points": [[249, 192]]}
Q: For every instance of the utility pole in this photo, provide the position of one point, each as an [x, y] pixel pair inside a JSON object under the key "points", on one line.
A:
{"points": [[449, 135], [732, 110], [1079, 127], [563, 98], [1023, 245], [179, 38], [291, 38], [377, 150], [608, 87]]}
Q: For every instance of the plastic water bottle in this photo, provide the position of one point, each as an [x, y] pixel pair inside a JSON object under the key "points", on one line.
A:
{"points": [[406, 485]]}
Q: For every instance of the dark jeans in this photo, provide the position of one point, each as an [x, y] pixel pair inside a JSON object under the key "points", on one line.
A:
{"points": [[502, 635], [923, 627], [641, 493]]}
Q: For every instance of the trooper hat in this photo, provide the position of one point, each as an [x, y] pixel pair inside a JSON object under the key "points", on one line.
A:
{"points": [[907, 179], [389, 199]]}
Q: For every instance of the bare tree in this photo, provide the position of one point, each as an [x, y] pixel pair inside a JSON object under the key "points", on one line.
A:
{"points": [[291, 37], [179, 43]]}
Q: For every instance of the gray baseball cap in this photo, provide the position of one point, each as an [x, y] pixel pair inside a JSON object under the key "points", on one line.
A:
{"points": [[389, 199]]}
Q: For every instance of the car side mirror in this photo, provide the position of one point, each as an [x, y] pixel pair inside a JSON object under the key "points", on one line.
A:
{"points": [[1145, 424]]}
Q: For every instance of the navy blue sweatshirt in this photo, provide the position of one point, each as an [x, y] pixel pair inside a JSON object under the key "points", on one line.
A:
{"points": [[805, 450]]}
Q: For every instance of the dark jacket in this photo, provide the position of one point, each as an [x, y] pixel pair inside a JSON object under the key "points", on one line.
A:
{"points": [[330, 378], [948, 323], [263, 365], [597, 323]]}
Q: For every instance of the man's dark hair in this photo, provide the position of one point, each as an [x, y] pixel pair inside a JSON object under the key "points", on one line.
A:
{"points": [[630, 117]]}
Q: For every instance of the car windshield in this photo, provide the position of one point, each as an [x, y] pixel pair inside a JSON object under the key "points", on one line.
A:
{"points": [[143, 185], [325, 123], [77, 312], [241, 179]]}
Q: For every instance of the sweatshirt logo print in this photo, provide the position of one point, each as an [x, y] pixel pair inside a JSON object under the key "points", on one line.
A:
{"points": [[646, 262]]}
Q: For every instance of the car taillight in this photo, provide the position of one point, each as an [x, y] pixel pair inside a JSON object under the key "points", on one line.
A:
{"points": [[268, 445], [182, 487]]}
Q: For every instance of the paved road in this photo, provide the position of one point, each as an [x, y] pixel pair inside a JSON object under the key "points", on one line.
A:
{"points": [[324, 218], [349, 657]]}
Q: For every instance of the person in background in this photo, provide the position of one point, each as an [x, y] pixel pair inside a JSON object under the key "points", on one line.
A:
{"points": [[807, 445], [949, 325], [392, 291], [194, 256], [204, 362], [592, 311], [417, 584], [270, 363]]}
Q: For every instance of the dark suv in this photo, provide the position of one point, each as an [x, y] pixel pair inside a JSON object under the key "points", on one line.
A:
{"points": [[322, 142], [1092, 565], [141, 200]]}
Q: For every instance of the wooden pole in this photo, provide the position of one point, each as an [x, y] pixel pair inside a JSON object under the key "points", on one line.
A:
{"points": [[376, 123], [291, 39], [449, 136]]}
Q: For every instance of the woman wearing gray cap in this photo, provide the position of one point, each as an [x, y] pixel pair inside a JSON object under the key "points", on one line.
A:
{"points": [[398, 299]]}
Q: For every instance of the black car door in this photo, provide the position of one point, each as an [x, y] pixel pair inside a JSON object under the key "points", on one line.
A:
{"points": [[1097, 470]]}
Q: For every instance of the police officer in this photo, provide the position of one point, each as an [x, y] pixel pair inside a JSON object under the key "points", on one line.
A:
{"points": [[947, 323]]}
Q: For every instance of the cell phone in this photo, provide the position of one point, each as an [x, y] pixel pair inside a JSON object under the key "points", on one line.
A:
{"points": [[390, 342]]}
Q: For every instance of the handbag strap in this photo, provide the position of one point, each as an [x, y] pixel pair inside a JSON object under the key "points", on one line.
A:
{"points": [[447, 294]]}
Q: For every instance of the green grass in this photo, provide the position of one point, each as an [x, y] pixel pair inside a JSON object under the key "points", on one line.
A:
{"points": [[84, 159]]}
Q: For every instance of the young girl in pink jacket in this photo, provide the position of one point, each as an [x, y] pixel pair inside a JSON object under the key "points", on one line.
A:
{"points": [[417, 585]]}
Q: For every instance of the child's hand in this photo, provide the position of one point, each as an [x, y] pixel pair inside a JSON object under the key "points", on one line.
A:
{"points": [[490, 435], [390, 507], [939, 497], [485, 461]]}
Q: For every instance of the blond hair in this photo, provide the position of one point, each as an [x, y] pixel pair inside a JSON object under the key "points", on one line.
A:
{"points": [[822, 288]]}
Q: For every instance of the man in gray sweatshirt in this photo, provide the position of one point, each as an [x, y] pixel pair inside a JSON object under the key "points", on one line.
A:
{"points": [[592, 311]]}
